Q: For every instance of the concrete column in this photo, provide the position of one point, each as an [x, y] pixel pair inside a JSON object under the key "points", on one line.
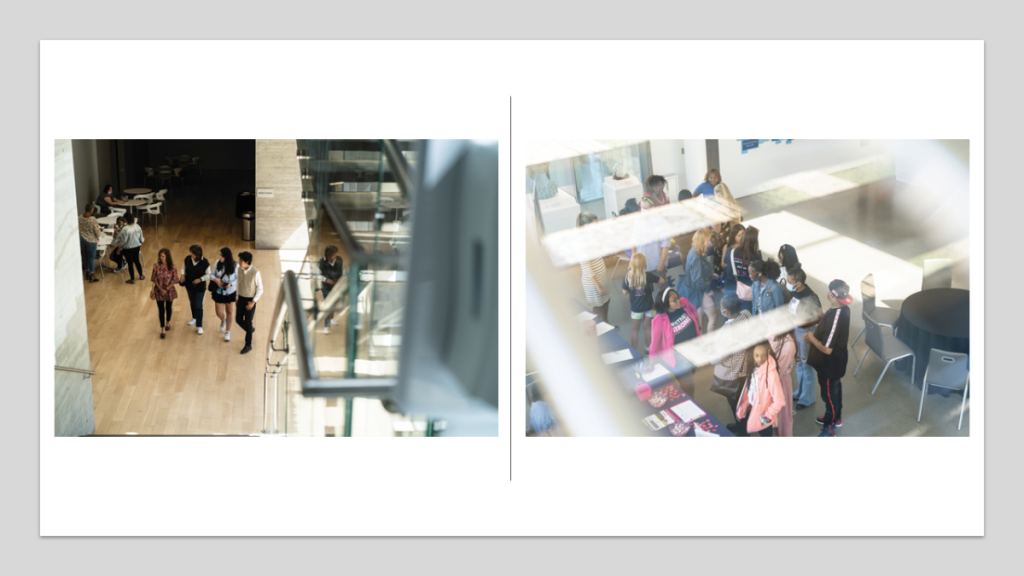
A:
{"points": [[73, 409], [281, 220]]}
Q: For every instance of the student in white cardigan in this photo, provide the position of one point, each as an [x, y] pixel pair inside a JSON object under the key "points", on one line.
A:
{"points": [[250, 288]]}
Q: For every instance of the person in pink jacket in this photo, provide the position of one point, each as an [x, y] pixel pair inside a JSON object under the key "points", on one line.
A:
{"points": [[762, 396], [675, 322], [784, 348]]}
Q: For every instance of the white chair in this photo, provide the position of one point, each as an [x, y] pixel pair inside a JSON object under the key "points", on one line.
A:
{"points": [[938, 273], [177, 174], [161, 196], [118, 211], [100, 252], [887, 347], [882, 316], [622, 258], [150, 173], [946, 370], [153, 210]]}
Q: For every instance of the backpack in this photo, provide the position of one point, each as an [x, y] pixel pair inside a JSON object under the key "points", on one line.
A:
{"points": [[631, 207]]}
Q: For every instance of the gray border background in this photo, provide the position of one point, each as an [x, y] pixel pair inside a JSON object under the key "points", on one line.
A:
{"points": [[26, 552]]}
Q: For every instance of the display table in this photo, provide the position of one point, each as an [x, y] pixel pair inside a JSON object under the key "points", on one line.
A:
{"points": [[676, 386], [937, 318], [616, 192], [559, 213]]}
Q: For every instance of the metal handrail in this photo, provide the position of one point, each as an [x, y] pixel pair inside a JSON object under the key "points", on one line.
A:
{"points": [[399, 166], [79, 370]]}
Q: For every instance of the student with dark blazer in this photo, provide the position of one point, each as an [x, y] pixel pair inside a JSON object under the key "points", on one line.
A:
{"points": [[197, 273], [331, 268]]}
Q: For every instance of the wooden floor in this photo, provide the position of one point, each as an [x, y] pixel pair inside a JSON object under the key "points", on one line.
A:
{"points": [[186, 383]]}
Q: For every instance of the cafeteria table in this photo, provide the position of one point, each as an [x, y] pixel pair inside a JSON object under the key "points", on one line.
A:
{"points": [[935, 318], [107, 220], [135, 203], [137, 191]]}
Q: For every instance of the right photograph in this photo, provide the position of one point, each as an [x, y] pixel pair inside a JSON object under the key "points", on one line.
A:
{"points": [[763, 288]]}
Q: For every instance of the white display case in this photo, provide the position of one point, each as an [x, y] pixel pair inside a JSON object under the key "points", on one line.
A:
{"points": [[616, 192], [559, 213]]}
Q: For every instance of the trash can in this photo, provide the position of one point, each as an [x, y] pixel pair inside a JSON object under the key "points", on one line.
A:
{"points": [[248, 226]]}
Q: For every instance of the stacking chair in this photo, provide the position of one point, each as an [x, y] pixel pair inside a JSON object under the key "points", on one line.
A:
{"points": [[118, 211], [150, 173], [161, 196], [177, 174], [946, 370], [882, 316], [165, 175], [153, 210], [887, 347], [938, 273]]}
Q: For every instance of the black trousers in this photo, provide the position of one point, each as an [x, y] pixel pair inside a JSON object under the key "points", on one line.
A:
{"points": [[832, 394], [132, 256], [117, 258], [195, 302], [164, 309], [243, 317]]}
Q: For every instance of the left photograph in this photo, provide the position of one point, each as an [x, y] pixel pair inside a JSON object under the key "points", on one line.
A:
{"points": [[276, 287]]}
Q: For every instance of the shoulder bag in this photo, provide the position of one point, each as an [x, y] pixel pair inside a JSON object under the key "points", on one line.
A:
{"points": [[742, 290]]}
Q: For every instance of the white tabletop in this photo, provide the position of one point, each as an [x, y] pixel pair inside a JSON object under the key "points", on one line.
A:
{"points": [[108, 220], [134, 191], [135, 202]]}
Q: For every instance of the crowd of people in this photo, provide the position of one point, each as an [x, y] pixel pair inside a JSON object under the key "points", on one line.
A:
{"points": [[235, 287], [726, 281]]}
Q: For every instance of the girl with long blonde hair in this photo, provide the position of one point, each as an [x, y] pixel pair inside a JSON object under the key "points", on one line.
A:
{"points": [[639, 285]]}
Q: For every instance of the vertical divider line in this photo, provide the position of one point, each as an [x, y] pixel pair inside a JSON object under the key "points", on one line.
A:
{"points": [[510, 290]]}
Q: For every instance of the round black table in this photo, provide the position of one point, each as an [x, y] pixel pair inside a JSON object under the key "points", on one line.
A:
{"points": [[937, 318]]}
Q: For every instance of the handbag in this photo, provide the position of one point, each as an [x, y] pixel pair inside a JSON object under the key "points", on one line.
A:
{"points": [[152, 293], [727, 389], [743, 291]]}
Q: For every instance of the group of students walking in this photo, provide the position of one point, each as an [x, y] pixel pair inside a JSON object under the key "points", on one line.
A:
{"points": [[235, 287], [725, 272]]}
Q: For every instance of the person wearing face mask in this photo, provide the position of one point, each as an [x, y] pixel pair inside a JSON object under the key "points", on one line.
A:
{"points": [[828, 355], [761, 397], [804, 304]]}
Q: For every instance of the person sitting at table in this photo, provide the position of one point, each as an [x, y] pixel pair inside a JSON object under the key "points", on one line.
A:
{"points": [[639, 284], [761, 399], [707, 188], [675, 322], [767, 294], [129, 242], [654, 188], [729, 357], [107, 199], [695, 284]]}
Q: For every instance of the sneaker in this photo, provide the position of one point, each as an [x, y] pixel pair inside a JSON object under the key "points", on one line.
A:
{"points": [[821, 422], [333, 323], [141, 277], [247, 349], [223, 325], [192, 322], [327, 330], [200, 330], [828, 432], [227, 336]]}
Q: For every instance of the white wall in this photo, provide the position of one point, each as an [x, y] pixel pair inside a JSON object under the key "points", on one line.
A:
{"points": [[696, 160], [761, 168], [73, 409], [667, 158], [91, 169], [281, 220]]}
